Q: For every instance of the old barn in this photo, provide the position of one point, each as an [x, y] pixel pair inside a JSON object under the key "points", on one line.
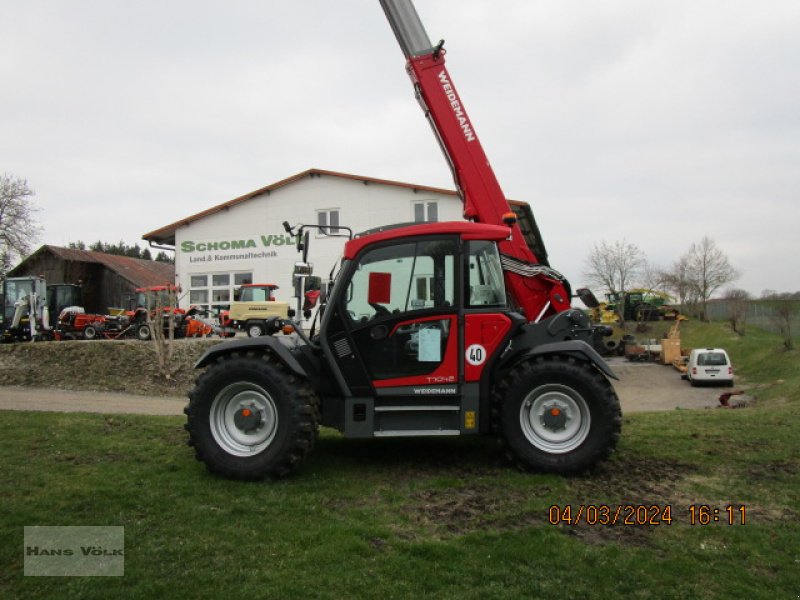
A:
{"points": [[107, 280]]}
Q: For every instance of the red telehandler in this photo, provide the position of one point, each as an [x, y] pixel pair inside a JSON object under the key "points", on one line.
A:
{"points": [[489, 344]]}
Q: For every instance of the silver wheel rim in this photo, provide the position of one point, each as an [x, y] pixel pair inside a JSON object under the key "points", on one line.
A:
{"points": [[144, 333], [567, 402], [255, 331], [231, 399]]}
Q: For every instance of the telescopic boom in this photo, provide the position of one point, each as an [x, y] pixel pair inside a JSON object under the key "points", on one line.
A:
{"points": [[538, 290]]}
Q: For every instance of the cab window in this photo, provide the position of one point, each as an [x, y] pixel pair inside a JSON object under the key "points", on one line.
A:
{"points": [[403, 278], [485, 287]]}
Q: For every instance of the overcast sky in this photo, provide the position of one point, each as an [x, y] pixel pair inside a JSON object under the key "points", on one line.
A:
{"points": [[656, 122]]}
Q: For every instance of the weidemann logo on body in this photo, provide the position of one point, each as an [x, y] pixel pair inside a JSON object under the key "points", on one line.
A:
{"points": [[455, 104]]}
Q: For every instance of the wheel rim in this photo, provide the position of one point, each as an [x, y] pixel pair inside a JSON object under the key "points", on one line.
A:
{"points": [[234, 399], [555, 418], [144, 333], [255, 331]]}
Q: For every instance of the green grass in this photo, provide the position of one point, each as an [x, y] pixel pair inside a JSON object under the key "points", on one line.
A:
{"points": [[438, 518]]}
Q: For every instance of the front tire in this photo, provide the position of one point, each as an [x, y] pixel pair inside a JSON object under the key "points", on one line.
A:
{"points": [[248, 418], [556, 414], [256, 329], [143, 332]]}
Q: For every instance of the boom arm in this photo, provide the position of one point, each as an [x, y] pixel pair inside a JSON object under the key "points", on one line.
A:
{"points": [[538, 290]]}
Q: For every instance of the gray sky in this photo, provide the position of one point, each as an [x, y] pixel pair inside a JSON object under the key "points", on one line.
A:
{"points": [[657, 122]]}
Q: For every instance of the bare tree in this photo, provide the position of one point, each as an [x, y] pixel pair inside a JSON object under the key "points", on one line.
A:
{"points": [[709, 270], [18, 229], [653, 278], [784, 307], [614, 266], [163, 340], [738, 301], [676, 279]]}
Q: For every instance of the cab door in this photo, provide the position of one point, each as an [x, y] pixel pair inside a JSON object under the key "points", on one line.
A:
{"points": [[402, 317]]}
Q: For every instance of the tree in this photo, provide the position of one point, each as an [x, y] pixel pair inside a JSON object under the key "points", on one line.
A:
{"points": [[708, 270], [614, 266], [676, 279], [784, 307], [18, 229], [738, 300], [163, 345], [123, 249]]}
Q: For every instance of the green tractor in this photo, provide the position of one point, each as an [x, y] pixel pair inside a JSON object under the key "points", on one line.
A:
{"points": [[641, 305]]}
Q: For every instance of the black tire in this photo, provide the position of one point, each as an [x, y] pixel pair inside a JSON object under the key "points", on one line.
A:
{"points": [[576, 388], [89, 332], [285, 434], [143, 332], [255, 328]]}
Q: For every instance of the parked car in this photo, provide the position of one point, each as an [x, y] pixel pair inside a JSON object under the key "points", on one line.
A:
{"points": [[709, 365]]}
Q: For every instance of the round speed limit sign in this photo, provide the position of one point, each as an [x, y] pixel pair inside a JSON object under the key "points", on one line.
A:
{"points": [[476, 355]]}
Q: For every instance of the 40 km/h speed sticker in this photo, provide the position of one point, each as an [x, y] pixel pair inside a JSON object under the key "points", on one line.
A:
{"points": [[476, 355]]}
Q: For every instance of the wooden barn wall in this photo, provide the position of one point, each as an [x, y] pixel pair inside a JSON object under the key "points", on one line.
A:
{"points": [[101, 287], [115, 290]]}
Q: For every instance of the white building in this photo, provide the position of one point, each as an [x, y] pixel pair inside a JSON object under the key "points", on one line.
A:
{"points": [[243, 240]]}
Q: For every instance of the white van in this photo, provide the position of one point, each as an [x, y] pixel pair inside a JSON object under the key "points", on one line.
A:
{"points": [[709, 365]]}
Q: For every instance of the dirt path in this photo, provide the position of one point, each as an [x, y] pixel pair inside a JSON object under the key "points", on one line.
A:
{"points": [[48, 399], [642, 387]]}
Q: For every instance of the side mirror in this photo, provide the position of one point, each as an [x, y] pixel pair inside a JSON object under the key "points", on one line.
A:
{"points": [[305, 246], [587, 297], [313, 283]]}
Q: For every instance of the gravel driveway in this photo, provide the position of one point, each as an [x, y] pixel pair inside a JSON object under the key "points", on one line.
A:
{"points": [[642, 387]]}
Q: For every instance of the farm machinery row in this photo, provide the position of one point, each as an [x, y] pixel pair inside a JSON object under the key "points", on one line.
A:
{"points": [[29, 302]]}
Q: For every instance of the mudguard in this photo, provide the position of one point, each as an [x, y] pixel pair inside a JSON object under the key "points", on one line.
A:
{"points": [[571, 347], [264, 342]]}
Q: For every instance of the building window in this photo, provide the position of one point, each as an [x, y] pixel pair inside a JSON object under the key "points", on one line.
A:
{"points": [[328, 220], [426, 212], [198, 297], [214, 290], [221, 296], [242, 278]]}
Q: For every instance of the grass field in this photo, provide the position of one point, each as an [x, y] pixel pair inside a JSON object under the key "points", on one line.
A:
{"points": [[439, 518]]}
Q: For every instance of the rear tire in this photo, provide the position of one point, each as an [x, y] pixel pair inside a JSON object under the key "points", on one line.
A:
{"points": [[143, 332], [285, 409], [556, 414]]}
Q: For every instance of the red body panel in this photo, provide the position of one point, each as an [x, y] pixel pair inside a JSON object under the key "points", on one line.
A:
{"points": [[446, 372], [467, 231], [485, 331]]}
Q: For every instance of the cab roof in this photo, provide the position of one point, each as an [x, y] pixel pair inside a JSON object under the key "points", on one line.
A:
{"points": [[465, 229]]}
